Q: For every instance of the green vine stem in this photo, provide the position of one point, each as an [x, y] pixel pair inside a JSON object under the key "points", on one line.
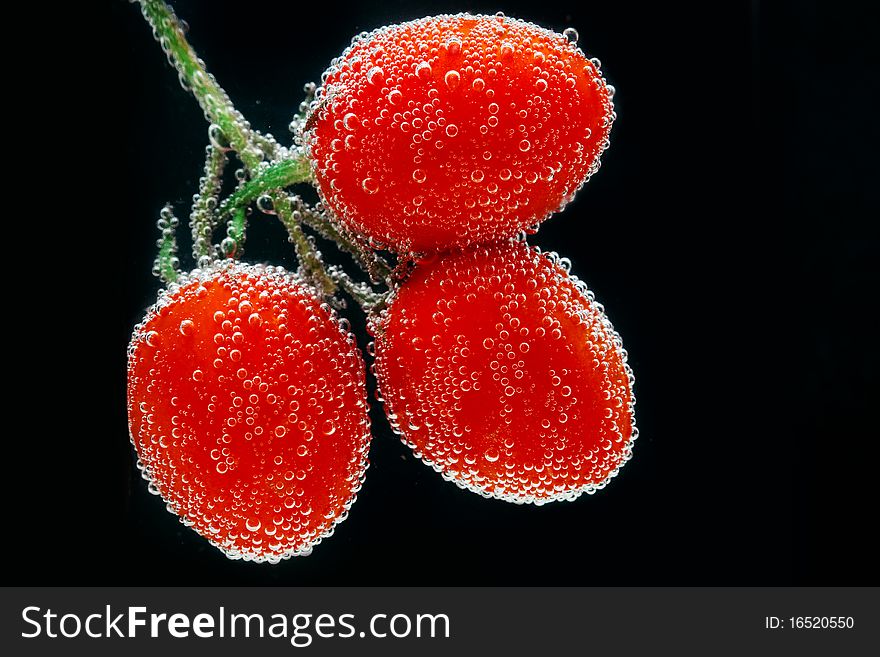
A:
{"points": [[215, 103], [308, 255], [230, 127], [166, 262], [289, 172], [367, 298], [232, 245], [276, 176], [218, 109], [202, 218], [370, 262], [268, 145]]}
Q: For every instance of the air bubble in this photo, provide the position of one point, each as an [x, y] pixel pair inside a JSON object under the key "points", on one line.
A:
{"points": [[217, 138], [375, 75], [228, 246], [350, 121], [370, 185]]}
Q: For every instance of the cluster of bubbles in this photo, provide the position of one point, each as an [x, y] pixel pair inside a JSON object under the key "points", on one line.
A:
{"points": [[247, 409], [167, 243], [503, 373], [455, 129]]}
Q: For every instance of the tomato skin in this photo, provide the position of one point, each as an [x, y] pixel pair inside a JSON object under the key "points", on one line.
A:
{"points": [[502, 372], [453, 130], [247, 410]]}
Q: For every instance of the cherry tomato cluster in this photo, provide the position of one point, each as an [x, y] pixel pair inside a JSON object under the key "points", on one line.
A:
{"points": [[442, 140]]}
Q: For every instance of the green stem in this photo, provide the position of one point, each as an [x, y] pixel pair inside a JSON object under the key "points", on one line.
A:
{"points": [[218, 109], [277, 176], [202, 219], [370, 262], [266, 143], [289, 172], [165, 266], [252, 149], [215, 103], [232, 246], [365, 296], [167, 272], [308, 255]]}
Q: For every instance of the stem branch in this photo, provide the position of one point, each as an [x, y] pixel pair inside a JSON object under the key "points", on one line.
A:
{"points": [[308, 255], [215, 103], [277, 176], [253, 149], [202, 219]]}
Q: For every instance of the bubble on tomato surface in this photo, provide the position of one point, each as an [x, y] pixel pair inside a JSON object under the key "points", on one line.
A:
{"points": [[209, 439], [522, 390], [375, 75], [524, 99]]}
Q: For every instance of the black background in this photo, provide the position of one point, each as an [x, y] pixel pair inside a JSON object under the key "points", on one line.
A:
{"points": [[729, 235]]}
